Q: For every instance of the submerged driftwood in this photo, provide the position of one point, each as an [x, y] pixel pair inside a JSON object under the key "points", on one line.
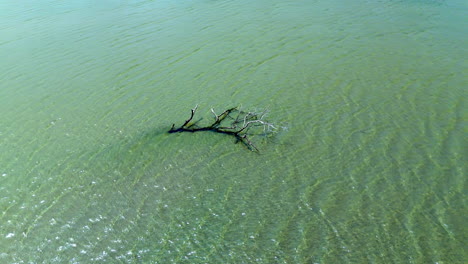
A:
{"points": [[233, 121]]}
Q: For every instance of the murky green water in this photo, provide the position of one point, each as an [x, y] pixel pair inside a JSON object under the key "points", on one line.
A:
{"points": [[369, 167]]}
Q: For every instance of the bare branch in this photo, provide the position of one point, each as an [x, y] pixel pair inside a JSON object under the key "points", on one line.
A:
{"points": [[191, 116], [234, 122], [216, 116]]}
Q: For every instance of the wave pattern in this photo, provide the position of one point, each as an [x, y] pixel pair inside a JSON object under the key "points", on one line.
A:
{"points": [[369, 170]]}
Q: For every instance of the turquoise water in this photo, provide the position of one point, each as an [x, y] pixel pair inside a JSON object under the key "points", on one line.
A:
{"points": [[368, 166]]}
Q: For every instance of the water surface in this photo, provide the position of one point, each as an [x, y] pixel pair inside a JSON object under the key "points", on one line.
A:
{"points": [[367, 167]]}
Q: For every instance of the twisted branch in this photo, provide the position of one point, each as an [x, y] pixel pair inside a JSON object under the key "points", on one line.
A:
{"points": [[238, 125]]}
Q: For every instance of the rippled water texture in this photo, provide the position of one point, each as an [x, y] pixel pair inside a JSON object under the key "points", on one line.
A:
{"points": [[369, 165]]}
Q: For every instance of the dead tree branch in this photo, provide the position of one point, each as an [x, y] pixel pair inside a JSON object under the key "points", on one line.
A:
{"points": [[234, 122]]}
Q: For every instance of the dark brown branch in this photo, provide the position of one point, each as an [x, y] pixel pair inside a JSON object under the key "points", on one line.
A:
{"points": [[238, 126], [191, 116]]}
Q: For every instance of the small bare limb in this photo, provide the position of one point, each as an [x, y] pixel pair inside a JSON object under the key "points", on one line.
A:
{"points": [[216, 116], [221, 117], [191, 116]]}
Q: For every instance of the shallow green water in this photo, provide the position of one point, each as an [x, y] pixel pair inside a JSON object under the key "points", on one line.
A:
{"points": [[369, 167]]}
